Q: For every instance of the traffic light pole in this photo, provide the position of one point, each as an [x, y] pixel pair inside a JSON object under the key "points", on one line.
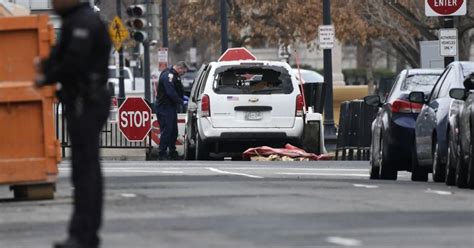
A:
{"points": [[121, 96], [146, 50], [329, 127], [448, 23], [224, 31]]}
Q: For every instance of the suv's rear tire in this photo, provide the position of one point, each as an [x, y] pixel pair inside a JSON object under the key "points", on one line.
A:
{"points": [[439, 170], [388, 171], [202, 149], [188, 152]]}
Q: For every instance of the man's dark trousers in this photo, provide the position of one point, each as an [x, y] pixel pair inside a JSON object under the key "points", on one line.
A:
{"points": [[168, 119], [84, 129]]}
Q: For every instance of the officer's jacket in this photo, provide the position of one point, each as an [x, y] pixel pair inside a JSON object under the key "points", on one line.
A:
{"points": [[170, 89], [79, 61]]}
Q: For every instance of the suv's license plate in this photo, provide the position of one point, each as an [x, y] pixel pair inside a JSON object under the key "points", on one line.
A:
{"points": [[253, 116]]}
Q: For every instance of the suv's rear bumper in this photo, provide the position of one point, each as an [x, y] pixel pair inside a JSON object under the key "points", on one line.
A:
{"points": [[209, 133]]}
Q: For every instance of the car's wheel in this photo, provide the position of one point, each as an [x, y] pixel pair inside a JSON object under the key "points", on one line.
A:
{"points": [[374, 172], [374, 165], [461, 172], [439, 170], [388, 171], [202, 149], [452, 160], [470, 170], [188, 151], [418, 173]]}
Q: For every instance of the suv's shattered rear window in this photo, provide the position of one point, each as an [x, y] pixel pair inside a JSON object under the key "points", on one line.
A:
{"points": [[252, 80]]}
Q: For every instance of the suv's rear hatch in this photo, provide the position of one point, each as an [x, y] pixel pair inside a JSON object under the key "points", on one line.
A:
{"points": [[253, 97]]}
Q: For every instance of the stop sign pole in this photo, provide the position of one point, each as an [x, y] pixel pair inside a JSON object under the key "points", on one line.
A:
{"points": [[135, 119], [448, 22], [447, 9]]}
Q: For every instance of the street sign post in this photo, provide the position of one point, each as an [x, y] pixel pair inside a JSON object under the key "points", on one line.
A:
{"points": [[445, 7], [135, 119], [448, 39], [118, 32], [326, 36], [162, 58]]}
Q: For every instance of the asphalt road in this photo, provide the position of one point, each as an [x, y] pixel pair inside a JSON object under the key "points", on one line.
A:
{"points": [[243, 204]]}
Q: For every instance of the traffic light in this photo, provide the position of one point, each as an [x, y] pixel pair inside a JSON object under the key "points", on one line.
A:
{"points": [[137, 22]]}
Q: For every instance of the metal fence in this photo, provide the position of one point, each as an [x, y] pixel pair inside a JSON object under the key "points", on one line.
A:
{"points": [[111, 136], [354, 133]]}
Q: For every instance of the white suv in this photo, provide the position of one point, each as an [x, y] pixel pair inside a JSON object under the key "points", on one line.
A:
{"points": [[235, 105]]}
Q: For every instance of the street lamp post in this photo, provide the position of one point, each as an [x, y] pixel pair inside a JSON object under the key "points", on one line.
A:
{"points": [[164, 20], [329, 127], [224, 31]]}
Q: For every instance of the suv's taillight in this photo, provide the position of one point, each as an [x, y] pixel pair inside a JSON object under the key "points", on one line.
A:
{"points": [[404, 106], [299, 105], [206, 106]]}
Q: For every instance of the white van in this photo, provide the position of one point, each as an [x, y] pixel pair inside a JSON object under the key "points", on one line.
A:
{"points": [[236, 105]]}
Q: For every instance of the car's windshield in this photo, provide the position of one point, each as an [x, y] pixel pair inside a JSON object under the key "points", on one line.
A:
{"points": [[113, 73], [419, 82], [260, 80], [310, 76]]}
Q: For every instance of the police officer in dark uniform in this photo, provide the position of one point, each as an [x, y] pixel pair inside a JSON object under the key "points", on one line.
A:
{"points": [[79, 63], [169, 98]]}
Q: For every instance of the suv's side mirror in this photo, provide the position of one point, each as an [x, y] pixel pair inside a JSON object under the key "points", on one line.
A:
{"points": [[417, 97], [469, 82], [373, 100], [459, 94]]}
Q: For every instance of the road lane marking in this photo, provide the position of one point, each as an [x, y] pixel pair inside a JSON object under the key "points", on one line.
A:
{"points": [[144, 171], [233, 168], [343, 241], [367, 186], [232, 173], [439, 192], [134, 170], [320, 174], [128, 195]]}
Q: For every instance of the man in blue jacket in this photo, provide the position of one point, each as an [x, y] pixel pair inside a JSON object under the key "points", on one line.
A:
{"points": [[169, 97]]}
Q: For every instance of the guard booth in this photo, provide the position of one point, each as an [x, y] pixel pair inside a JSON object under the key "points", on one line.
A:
{"points": [[29, 151]]}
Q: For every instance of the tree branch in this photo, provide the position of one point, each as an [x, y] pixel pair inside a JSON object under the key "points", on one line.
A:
{"points": [[408, 15]]}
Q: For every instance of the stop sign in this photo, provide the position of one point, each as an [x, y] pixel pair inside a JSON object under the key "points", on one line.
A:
{"points": [[239, 53], [135, 119], [445, 7]]}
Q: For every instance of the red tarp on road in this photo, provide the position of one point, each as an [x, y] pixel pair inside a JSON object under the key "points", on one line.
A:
{"points": [[289, 151]]}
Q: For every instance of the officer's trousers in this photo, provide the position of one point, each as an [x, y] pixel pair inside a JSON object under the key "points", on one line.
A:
{"points": [[168, 119], [84, 129]]}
